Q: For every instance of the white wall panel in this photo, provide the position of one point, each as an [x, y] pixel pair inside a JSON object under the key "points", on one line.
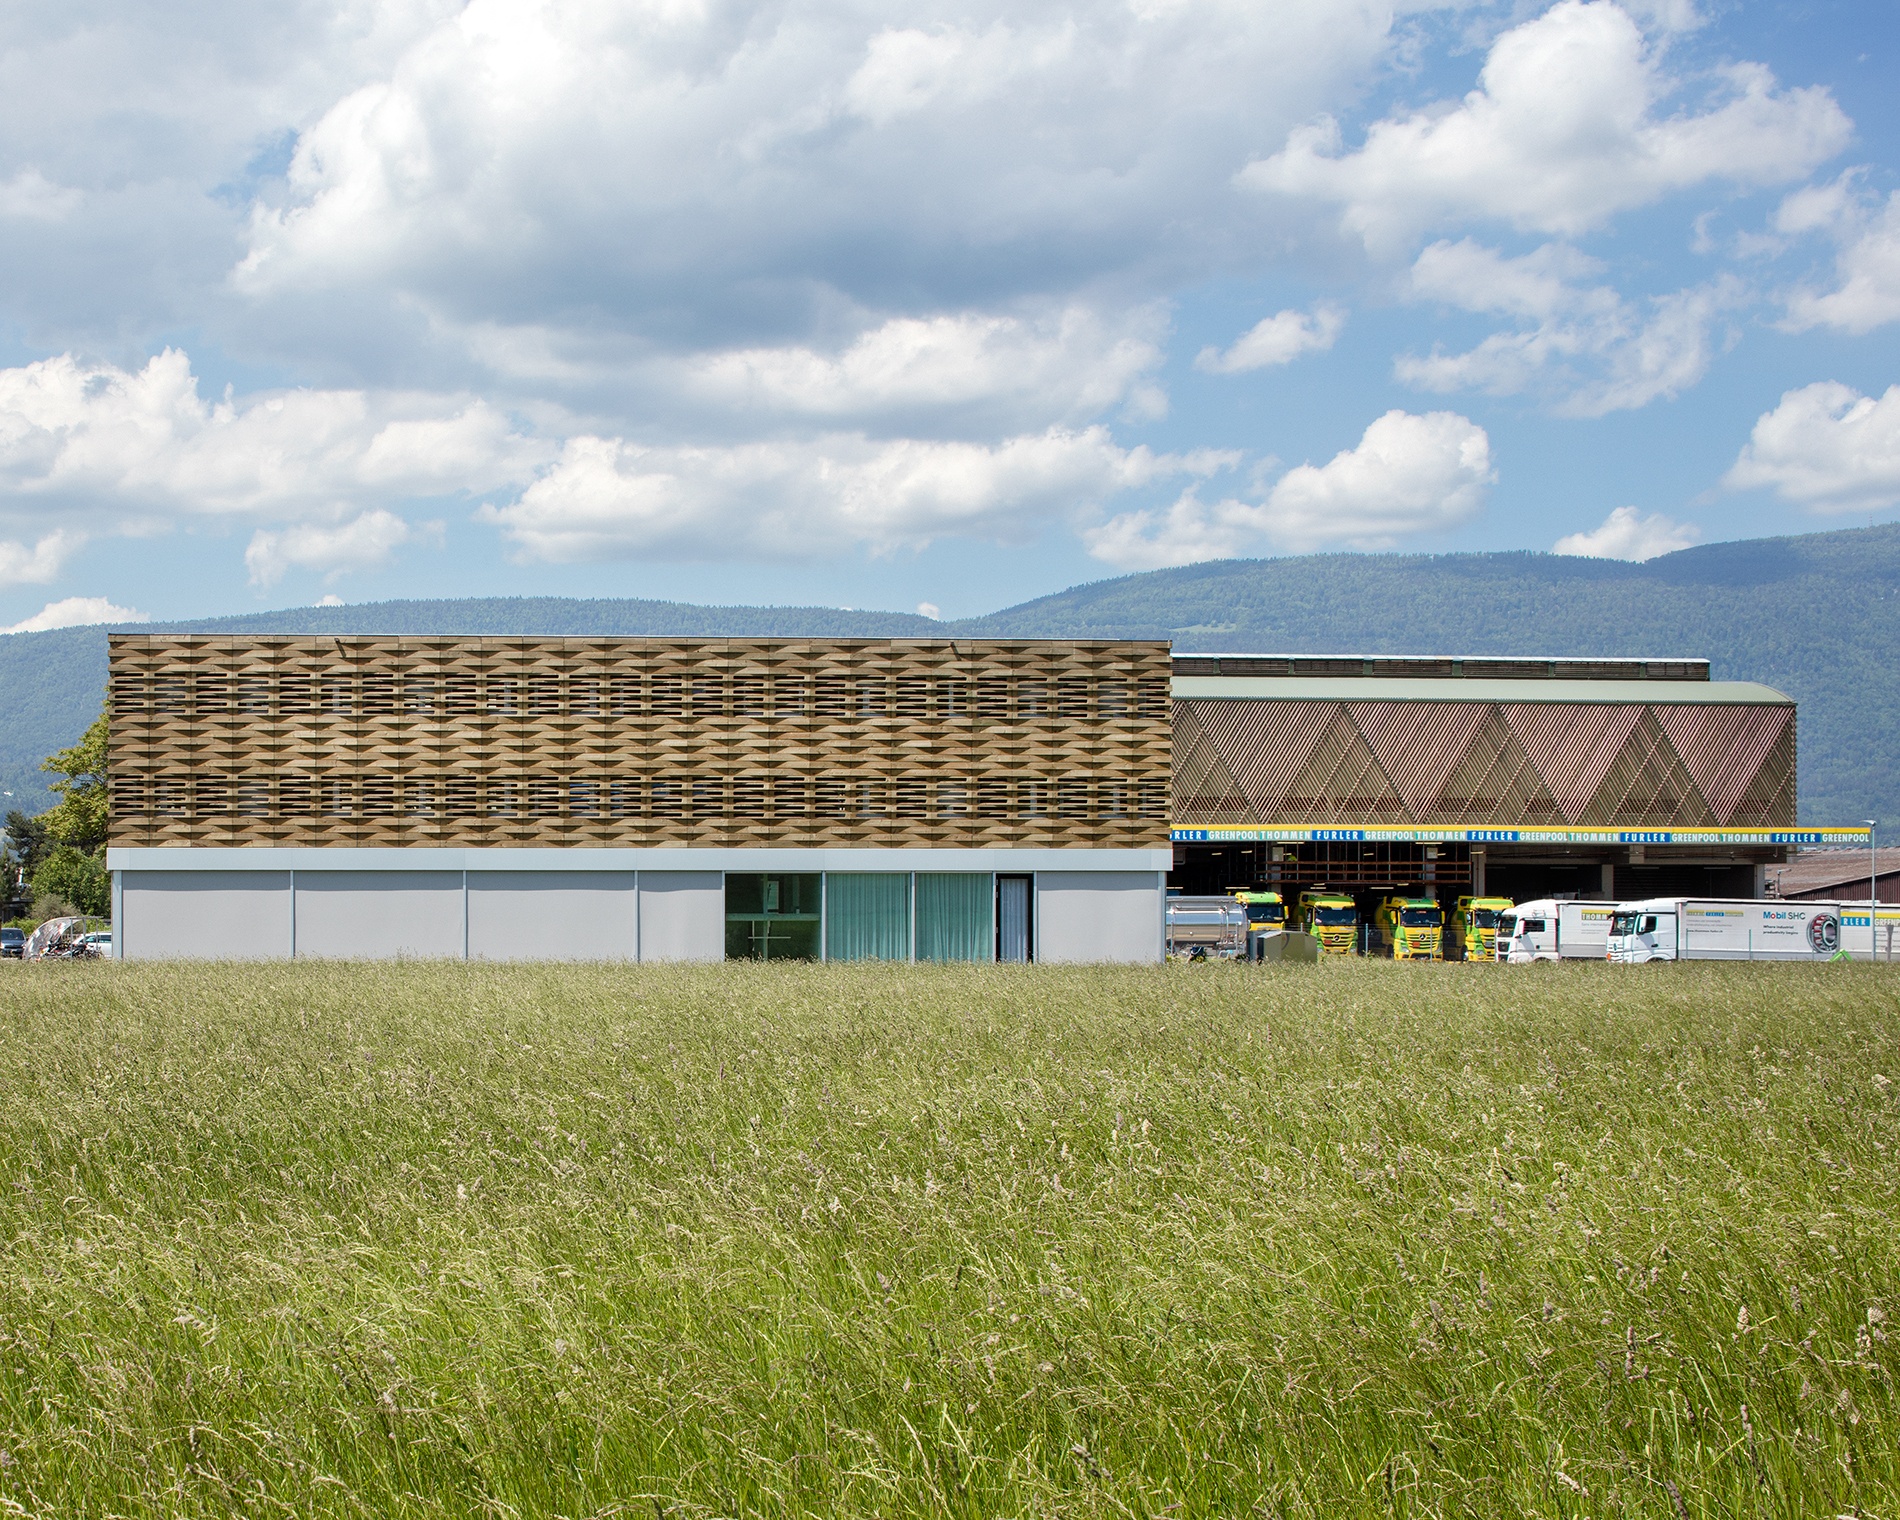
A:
{"points": [[551, 915], [682, 916], [1098, 915], [221, 915], [379, 913]]}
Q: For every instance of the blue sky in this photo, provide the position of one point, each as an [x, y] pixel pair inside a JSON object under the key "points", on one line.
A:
{"points": [[905, 306]]}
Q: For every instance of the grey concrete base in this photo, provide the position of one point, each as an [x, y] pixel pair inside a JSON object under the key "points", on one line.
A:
{"points": [[565, 905]]}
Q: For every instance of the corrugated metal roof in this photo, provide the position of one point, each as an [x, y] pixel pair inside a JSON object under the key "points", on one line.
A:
{"points": [[1469, 689], [1817, 870]]}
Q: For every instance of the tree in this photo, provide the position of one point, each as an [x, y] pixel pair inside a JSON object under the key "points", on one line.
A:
{"points": [[78, 819], [82, 879], [26, 846]]}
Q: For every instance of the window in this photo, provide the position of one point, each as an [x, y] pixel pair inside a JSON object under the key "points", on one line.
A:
{"points": [[955, 921], [772, 917], [867, 916]]}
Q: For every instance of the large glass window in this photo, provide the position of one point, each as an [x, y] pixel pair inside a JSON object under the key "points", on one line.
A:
{"points": [[955, 917], [772, 917], [867, 916]]}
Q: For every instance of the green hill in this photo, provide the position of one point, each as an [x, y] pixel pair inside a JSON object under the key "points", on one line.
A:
{"points": [[1817, 616]]}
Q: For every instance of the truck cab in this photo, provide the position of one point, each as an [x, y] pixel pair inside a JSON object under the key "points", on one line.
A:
{"points": [[1528, 932], [1266, 911], [1332, 918], [1409, 929], [1472, 934], [1643, 931], [1266, 914]]}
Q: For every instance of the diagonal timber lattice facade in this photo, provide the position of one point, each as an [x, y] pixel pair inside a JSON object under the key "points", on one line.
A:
{"points": [[1255, 761], [633, 742]]}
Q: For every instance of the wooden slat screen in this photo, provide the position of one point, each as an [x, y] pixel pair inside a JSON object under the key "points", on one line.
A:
{"points": [[754, 743]]}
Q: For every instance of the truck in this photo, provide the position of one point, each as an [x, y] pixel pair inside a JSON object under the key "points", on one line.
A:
{"points": [[1266, 914], [1206, 928], [1265, 910], [1330, 917], [1409, 929], [1472, 933], [1735, 929], [1551, 929]]}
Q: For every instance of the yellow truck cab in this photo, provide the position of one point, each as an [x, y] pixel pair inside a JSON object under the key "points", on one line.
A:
{"points": [[1265, 910], [1409, 929], [1332, 918], [1472, 934]]}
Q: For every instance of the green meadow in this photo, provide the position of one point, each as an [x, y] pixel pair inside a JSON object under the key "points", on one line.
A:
{"points": [[441, 1240]]}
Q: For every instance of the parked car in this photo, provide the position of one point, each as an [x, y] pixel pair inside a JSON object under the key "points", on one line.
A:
{"points": [[13, 944], [97, 946]]}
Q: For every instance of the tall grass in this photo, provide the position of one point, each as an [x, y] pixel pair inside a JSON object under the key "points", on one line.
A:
{"points": [[420, 1240]]}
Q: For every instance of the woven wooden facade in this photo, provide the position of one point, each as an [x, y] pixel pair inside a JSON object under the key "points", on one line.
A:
{"points": [[393, 741], [1291, 762]]}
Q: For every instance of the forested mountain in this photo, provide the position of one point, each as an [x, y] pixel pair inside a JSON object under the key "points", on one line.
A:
{"points": [[1817, 616]]}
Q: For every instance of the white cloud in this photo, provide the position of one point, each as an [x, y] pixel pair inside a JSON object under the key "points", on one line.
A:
{"points": [[1187, 533], [21, 565], [930, 610], [1827, 447], [142, 441], [30, 195], [1590, 350], [803, 499], [1541, 284], [77, 612], [710, 178], [1566, 129], [1409, 476], [330, 599], [1278, 339], [1625, 534], [1866, 290], [364, 543], [1070, 364]]}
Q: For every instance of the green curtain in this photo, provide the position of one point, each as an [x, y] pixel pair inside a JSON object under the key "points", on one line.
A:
{"points": [[867, 917], [955, 917]]}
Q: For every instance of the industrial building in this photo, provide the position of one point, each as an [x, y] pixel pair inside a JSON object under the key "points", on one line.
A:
{"points": [[1528, 778], [899, 799]]}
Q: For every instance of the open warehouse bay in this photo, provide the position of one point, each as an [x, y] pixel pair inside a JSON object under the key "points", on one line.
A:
{"points": [[414, 1239]]}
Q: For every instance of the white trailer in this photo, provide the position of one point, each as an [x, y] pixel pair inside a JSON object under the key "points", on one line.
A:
{"points": [[1738, 929], [1551, 929]]}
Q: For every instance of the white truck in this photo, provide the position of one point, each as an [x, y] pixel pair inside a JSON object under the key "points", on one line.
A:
{"points": [[1552, 929], [1736, 929]]}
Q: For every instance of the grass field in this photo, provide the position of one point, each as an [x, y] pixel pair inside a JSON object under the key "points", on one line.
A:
{"points": [[418, 1240]]}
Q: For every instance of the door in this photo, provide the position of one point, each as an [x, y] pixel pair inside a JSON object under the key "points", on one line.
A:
{"points": [[1012, 918]]}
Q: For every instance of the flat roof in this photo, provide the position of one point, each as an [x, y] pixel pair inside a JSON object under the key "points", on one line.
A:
{"points": [[1474, 689], [1443, 666]]}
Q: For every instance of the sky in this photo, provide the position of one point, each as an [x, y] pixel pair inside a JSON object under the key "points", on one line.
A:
{"points": [[924, 306]]}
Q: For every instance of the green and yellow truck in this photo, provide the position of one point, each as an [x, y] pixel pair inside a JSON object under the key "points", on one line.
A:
{"points": [[1266, 911], [1472, 933], [1409, 929], [1332, 918]]}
